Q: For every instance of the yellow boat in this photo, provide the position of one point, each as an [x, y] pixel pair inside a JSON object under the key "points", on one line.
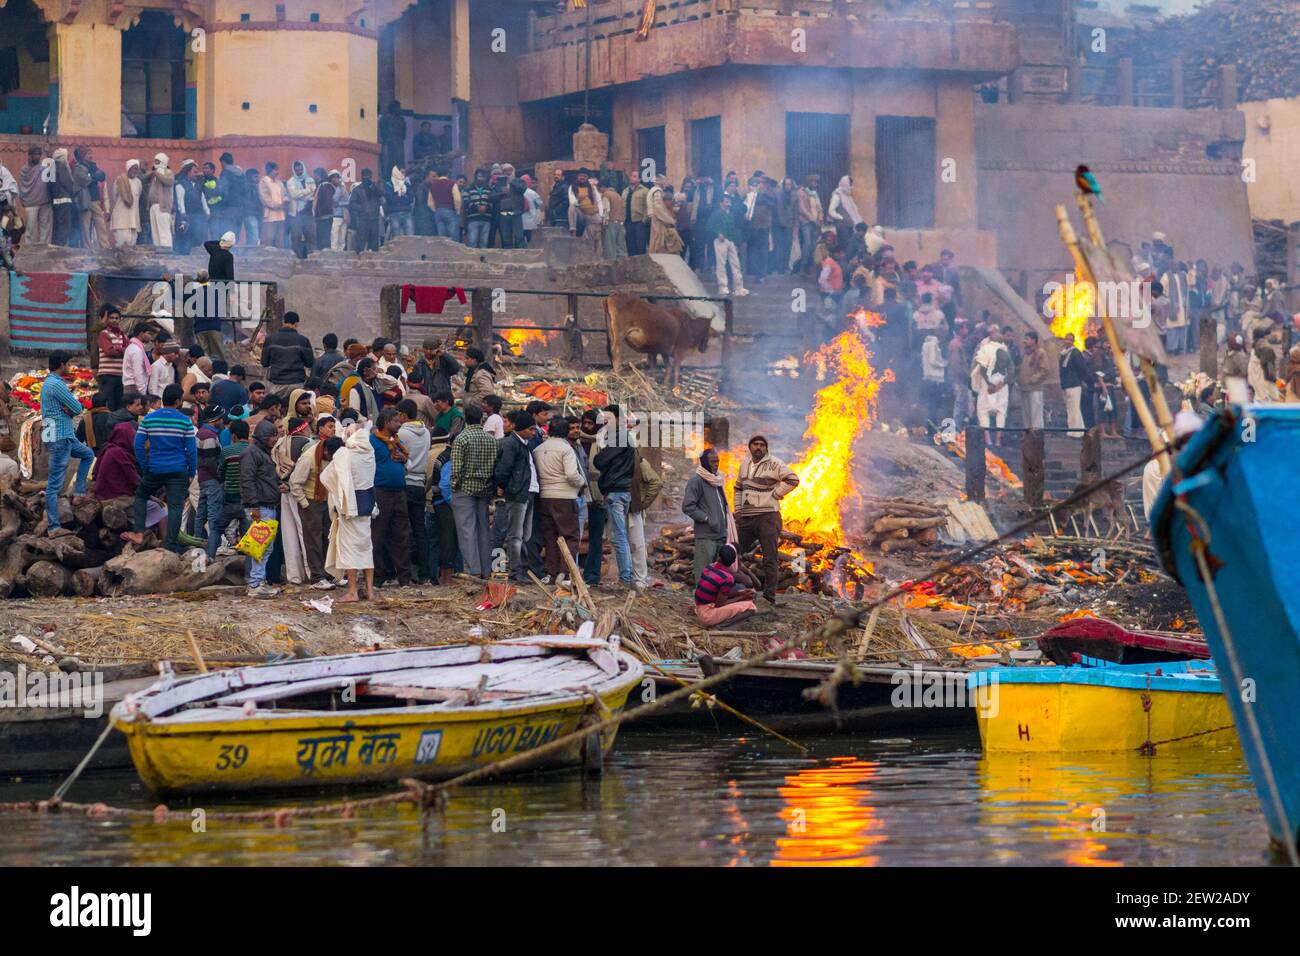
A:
{"points": [[430, 713], [1113, 707]]}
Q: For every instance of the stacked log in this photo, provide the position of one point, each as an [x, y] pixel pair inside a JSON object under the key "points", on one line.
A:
{"points": [[899, 524], [93, 560], [1260, 37], [807, 565]]}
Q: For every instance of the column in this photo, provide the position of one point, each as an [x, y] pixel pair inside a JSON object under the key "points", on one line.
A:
{"points": [[86, 79]]}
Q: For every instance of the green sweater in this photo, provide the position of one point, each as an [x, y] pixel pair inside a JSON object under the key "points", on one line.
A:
{"points": [[723, 224], [228, 471]]}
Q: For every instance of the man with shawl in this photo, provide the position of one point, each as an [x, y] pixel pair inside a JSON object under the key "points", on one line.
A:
{"points": [[349, 481]]}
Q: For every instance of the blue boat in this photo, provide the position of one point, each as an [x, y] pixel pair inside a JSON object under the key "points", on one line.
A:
{"points": [[1227, 527]]}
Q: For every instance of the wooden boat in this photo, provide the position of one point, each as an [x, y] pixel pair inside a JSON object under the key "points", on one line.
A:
{"points": [[431, 713], [1110, 707], [1226, 526], [1096, 637], [778, 694], [53, 740]]}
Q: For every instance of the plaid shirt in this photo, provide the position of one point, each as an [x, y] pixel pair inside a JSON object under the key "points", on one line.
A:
{"points": [[473, 459], [60, 407]]}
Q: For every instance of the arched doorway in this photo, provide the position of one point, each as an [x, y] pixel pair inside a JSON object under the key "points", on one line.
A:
{"points": [[155, 102]]}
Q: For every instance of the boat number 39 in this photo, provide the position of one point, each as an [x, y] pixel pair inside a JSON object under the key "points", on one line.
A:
{"points": [[232, 756]]}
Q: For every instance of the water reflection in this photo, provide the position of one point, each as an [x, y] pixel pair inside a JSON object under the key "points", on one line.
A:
{"points": [[830, 815], [718, 800]]}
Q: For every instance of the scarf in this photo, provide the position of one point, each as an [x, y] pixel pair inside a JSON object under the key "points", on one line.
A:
{"points": [[318, 492], [717, 481], [395, 447], [398, 180], [845, 192]]}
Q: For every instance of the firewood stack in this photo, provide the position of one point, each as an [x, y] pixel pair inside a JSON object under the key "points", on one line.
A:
{"points": [[91, 560], [805, 565], [898, 524], [1262, 37]]}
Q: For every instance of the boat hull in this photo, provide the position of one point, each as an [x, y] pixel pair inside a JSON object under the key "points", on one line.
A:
{"points": [[900, 699], [287, 751], [1238, 474], [1081, 709]]}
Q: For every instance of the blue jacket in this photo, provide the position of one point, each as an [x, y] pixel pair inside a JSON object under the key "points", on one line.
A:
{"points": [[444, 482], [165, 443], [389, 474]]}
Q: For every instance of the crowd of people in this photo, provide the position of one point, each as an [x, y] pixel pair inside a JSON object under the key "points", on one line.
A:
{"points": [[380, 467], [383, 466]]}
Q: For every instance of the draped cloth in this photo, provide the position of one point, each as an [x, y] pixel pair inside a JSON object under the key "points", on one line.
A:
{"points": [[352, 470], [293, 542]]}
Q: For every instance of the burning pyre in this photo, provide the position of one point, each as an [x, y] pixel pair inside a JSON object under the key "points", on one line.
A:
{"points": [[1072, 306]]}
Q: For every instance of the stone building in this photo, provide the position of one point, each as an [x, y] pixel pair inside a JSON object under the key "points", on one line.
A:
{"points": [[960, 121]]}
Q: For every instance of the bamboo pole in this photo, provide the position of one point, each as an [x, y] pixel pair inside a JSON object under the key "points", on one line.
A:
{"points": [[1162, 414], [1081, 265]]}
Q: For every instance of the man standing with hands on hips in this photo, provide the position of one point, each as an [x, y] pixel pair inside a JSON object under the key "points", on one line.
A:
{"points": [[760, 485]]}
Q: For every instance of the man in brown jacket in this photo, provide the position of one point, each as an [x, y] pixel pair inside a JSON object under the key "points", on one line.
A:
{"points": [[1037, 370], [760, 485]]}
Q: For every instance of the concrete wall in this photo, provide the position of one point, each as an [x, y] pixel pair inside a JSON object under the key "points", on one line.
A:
{"points": [[1154, 167], [753, 101], [261, 68], [339, 292], [1273, 142]]}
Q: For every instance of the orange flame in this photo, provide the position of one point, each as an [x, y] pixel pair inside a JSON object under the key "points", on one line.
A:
{"points": [[518, 338], [1072, 308], [842, 412]]}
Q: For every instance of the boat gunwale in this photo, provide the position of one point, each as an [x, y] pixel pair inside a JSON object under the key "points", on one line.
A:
{"points": [[274, 722], [1196, 680], [630, 672]]}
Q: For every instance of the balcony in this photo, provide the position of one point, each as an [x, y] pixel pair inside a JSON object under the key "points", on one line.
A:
{"points": [[943, 35]]}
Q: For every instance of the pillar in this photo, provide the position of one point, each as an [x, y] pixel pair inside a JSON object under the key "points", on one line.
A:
{"points": [[460, 46], [86, 79], [955, 201], [1125, 81]]}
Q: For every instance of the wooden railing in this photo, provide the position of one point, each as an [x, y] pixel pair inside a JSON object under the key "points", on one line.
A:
{"points": [[611, 18]]}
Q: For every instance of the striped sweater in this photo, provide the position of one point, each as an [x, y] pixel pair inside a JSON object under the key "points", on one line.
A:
{"points": [[165, 443], [112, 346], [714, 580]]}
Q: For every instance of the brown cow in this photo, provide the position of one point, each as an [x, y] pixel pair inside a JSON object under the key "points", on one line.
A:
{"points": [[655, 331]]}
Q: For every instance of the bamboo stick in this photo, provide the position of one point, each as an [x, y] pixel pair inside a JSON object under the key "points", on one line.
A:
{"points": [[1071, 241]]}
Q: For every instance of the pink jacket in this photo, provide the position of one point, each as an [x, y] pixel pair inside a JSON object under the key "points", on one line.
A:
{"points": [[135, 367]]}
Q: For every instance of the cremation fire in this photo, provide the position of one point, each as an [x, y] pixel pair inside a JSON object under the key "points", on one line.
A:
{"points": [[843, 410], [518, 338], [1071, 305]]}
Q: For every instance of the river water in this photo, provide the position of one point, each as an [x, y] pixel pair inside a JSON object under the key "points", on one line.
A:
{"points": [[722, 799]]}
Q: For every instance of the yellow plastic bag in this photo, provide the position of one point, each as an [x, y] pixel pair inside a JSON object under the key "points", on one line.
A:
{"points": [[259, 536]]}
